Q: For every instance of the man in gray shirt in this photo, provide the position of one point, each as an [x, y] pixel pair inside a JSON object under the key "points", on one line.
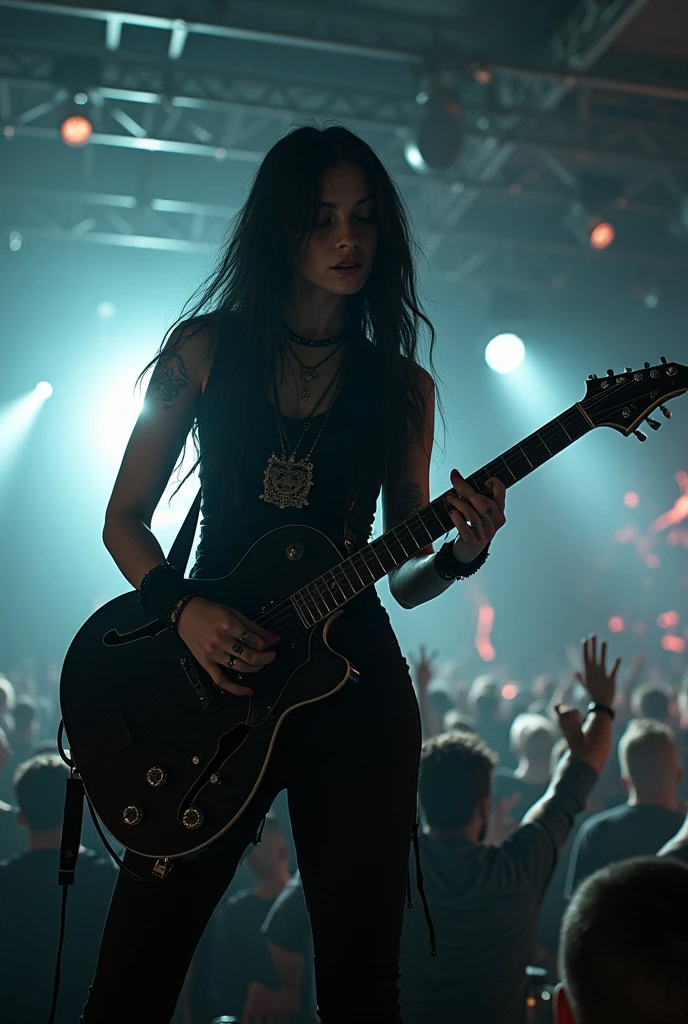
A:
{"points": [[484, 900]]}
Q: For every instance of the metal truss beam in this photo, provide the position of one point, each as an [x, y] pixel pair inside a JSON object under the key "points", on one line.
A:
{"points": [[479, 258], [337, 35], [196, 112], [588, 31]]}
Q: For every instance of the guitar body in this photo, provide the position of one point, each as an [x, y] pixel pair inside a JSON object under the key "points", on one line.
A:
{"points": [[168, 759]]}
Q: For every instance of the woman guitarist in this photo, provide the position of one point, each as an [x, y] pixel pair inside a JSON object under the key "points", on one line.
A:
{"points": [[304, 397]]}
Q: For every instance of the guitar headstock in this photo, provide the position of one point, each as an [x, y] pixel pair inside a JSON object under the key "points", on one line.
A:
{"points": [[624, 400]]}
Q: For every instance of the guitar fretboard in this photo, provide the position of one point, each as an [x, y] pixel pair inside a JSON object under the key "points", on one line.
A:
{"points": [[334, 588]]}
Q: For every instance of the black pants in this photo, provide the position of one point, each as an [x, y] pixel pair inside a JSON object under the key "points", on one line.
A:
{"points": [[349, 764]]}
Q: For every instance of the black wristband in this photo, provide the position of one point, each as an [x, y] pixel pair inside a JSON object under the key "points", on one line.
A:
{"points": [[592, 706], [161, 588], [450, 568]]}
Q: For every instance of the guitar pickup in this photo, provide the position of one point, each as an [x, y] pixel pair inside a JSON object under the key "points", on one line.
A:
{"points": [[204, 692]]}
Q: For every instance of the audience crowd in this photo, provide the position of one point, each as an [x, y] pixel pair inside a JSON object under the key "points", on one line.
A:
{"points": [[551, 882]]}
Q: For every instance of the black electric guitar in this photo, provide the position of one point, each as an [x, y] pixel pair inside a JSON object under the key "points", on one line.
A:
{"points": [[168, 759]]}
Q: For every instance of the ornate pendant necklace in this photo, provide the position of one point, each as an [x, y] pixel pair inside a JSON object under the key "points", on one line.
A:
{"points": [[286, 482]]}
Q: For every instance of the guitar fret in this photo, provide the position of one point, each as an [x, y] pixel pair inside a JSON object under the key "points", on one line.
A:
{"points": [[336, 581], [399, 541], [362, 553], [314, 599], [526, 457], [372, 548], [305, 608], [509, 468], [540, 439]]}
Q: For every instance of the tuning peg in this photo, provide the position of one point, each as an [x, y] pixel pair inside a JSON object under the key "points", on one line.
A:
{"points": [[592, 376], [666, 412], [628, 369], [655, 424], [639, 434], [646, 365], [662, 359], [610, 373]]}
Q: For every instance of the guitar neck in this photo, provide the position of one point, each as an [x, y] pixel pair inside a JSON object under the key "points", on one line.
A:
{"points": [[337, 586]]}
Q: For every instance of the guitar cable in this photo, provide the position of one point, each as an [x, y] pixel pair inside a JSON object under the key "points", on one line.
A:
{"points": [[69, 852]]}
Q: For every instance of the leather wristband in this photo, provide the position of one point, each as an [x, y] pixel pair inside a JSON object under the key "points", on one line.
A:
{"points": [[162, 588], [450, 568], [592, 706]]}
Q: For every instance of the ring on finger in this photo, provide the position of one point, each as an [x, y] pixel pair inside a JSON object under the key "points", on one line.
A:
{"points": [[246, 638], [488, 511], [230, 663], [237, 648]]}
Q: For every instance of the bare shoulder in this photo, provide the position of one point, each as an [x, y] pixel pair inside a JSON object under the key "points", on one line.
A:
{"points": [[186, 359]]}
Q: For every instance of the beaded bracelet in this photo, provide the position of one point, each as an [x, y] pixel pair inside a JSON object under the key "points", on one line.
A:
{"points": [[176, 610]]}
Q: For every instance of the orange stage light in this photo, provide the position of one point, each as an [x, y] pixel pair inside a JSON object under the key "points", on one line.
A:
{"points": [[76, 130], [616, 624]]}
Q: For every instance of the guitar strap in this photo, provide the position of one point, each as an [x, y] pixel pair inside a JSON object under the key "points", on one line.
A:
{"points": [[181, 547]]}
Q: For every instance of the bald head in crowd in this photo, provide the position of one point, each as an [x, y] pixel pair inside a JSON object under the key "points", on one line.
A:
{"points": [[650, 763]]}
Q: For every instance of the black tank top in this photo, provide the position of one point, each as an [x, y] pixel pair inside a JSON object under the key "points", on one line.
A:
{"points": [[340, 460]]}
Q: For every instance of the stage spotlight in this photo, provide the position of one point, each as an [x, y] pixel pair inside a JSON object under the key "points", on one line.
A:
{"points": [[602, 235], [438, 138], [76, 130], [505, 353], [78, 75], [590, 213], [43, 390]]}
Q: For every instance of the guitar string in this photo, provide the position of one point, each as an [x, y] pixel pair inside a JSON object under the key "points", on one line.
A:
{"points": [[286, 610]]}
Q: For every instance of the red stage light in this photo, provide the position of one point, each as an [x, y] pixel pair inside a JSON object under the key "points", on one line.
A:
{"points": [[616, 624], [631, 499], [602, 235], [673, 643], [667, 619], [76, 130]]}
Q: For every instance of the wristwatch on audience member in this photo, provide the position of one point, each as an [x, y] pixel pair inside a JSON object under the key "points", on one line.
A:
{"points": [[592, 706]]}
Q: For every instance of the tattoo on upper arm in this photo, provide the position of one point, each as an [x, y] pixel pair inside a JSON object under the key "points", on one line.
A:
{"points": [[168, 381], [409, 500]]}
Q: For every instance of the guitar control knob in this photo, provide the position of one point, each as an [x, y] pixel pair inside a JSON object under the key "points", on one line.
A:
{"points": [[639, 434], [665, 412], [156, 776], [655, 424], [132, 815], [192, 818]]}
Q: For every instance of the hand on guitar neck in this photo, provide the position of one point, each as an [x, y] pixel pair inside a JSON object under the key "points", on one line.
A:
{"points": [[215, 633]]}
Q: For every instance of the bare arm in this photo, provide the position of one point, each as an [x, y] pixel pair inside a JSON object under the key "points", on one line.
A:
{"points": [[152, 452], [415, 581]]}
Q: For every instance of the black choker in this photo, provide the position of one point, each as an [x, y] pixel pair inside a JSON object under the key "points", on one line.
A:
{"points": [[320, 343]]}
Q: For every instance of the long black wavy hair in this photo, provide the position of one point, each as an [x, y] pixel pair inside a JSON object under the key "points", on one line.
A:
{"points": [[252, 283]]}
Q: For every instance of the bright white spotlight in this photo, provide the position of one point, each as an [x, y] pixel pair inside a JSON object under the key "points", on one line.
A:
{"points": [[505, 353], [43, 390]]}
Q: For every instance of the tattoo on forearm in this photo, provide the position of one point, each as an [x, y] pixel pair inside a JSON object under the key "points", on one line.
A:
{"points": [[167, 381], [409, 501]]}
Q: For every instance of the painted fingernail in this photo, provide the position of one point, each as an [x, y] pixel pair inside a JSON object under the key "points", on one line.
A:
{"points": [[274, 637]]}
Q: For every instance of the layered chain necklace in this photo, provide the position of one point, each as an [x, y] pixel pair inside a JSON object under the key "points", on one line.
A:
{"points": [[287, 482]]}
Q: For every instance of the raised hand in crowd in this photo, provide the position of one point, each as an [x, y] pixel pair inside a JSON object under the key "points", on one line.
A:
{"points": [[422, 667], [590, 738]]}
